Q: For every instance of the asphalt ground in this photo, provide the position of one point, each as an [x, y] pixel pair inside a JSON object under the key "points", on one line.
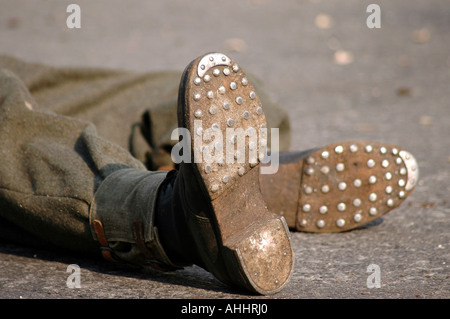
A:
{"points": [[338, 79]]}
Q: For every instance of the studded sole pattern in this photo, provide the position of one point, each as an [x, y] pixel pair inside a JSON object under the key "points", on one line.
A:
{"points": [[256, 244], [347, 185]]}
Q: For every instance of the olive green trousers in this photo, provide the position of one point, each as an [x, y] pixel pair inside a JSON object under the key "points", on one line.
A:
{"points": [[78, 142]]}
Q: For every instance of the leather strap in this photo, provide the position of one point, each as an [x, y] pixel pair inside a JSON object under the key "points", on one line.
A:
{"points": [[140, 243], [165, 168], [105, 249]]}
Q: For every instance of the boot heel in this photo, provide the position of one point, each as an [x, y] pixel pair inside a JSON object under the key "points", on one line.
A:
{"points": [[256, 242], [263, 255]]}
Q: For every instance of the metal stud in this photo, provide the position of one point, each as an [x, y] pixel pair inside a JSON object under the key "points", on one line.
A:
{"points": [[215, 127], [385, 163], [198, 113], [309, 171], [239, 100], [388, 176], [388, 189], [401, 194], [370, 163], [306, 208], [226, 71], [251, 131], [226, 105], [212, 110], [372, 179], [310, 160], [353, 148], [368, 148], [340, 222], [357, 202], [340, 167], [302, 223], [357, 217], [197, 81], [341, 207], [208, 169], [233, 85], [308, 190], [373, 211], [339, 149], [241, 171], [216, 72], [323, 209], [403, 171], [214, 188], [357, 182], [252, 95], [325, 189], [373, 197], [259, 110], [401, 182], [320, 223], [390, 202], [394, 151], [197, 96], [398, 161], [225, 179], [230, 122], [246, 115], [325, 169], [342, 186], [383, 150], [325, 154], [207, 78], [235, 68], [221, 89], [244, 81]]}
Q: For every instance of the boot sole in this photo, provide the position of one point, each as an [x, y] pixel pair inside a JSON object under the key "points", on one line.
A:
{"points": [[347, 185], [254, 242]]}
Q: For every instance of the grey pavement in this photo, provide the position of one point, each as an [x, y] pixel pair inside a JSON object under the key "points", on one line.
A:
{"points": [[337, 78]]}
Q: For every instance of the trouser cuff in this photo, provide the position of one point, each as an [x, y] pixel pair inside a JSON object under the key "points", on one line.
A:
{"points": [[122, 218]]}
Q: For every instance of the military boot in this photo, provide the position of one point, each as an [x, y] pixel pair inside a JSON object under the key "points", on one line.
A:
{"points": [[216, 190], [341, 186]]}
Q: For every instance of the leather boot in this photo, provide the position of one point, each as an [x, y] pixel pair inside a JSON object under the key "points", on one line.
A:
{"points": [[341, 186], [235, 236]]}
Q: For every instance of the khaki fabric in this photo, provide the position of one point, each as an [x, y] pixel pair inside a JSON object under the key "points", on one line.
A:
{"points": [[64, 131]]}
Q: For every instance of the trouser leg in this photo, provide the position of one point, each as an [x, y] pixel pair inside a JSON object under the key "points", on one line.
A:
{"points": [[57, 177]]}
